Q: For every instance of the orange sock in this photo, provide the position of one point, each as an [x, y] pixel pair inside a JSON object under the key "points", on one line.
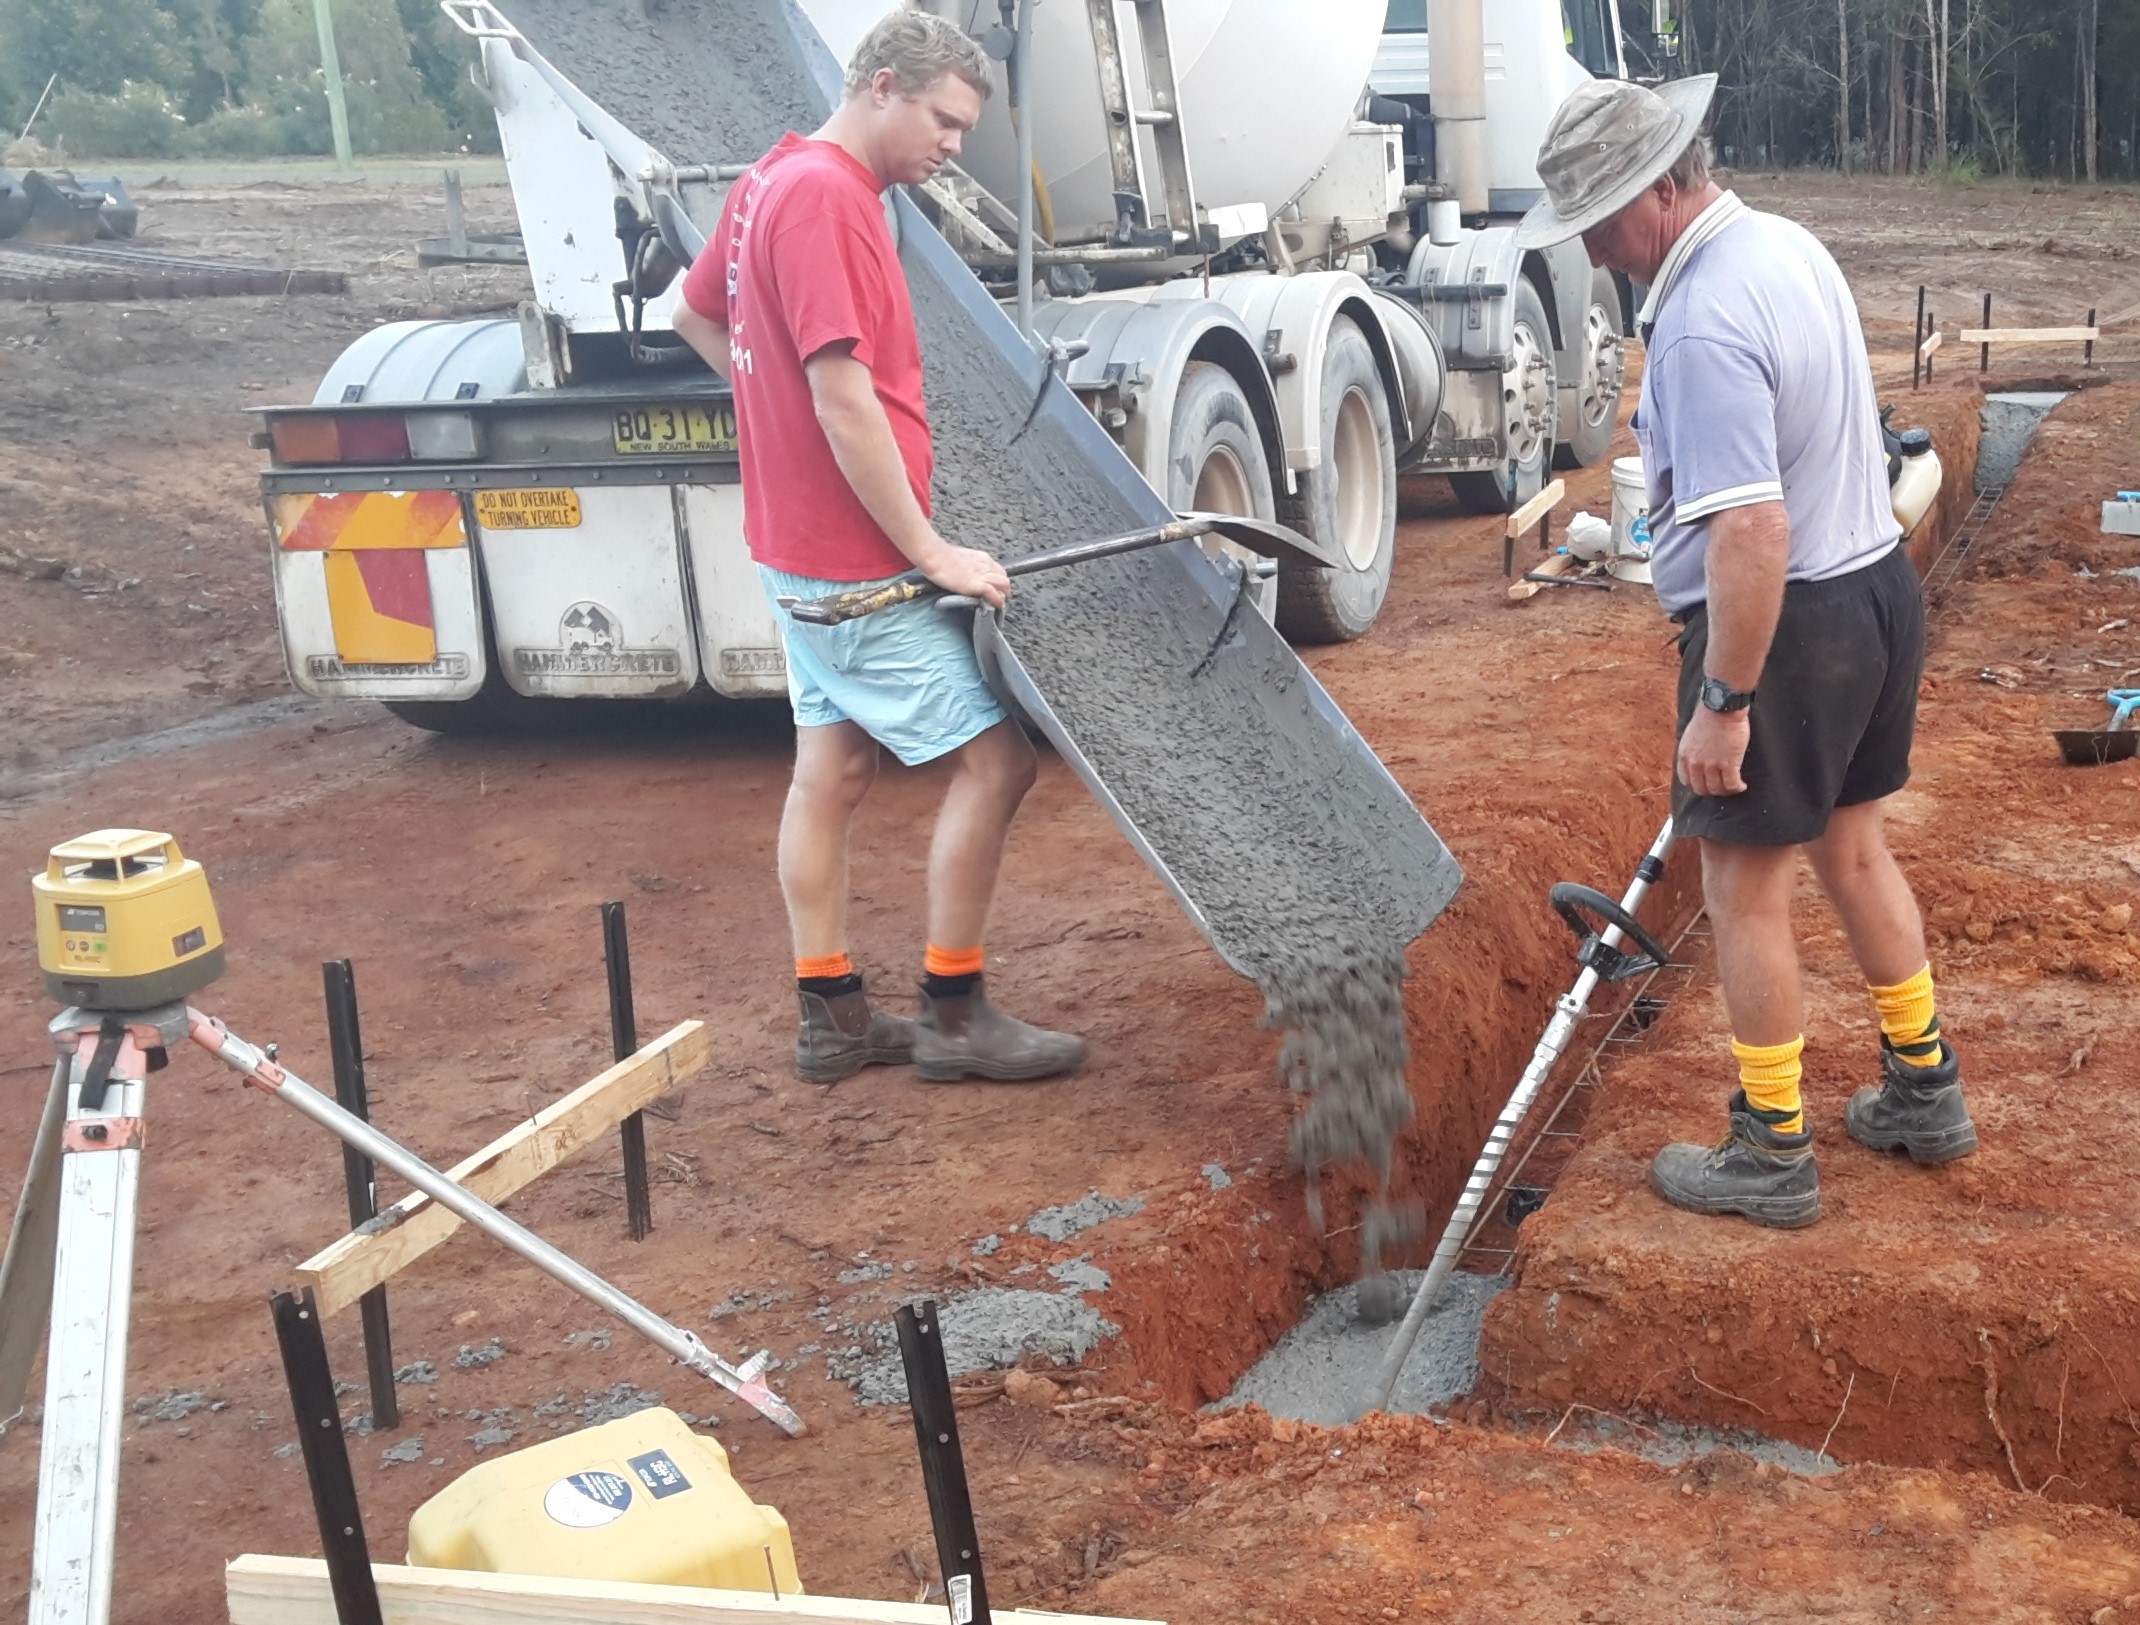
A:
{"points": [[821, 967], [951, 961]]}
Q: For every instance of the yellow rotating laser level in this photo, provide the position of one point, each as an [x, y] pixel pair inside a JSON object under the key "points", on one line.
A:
{"points": [[125, 922]]}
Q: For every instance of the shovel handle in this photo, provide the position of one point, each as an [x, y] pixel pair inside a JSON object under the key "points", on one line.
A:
{"points": [[2124, 701], [849, 606]]}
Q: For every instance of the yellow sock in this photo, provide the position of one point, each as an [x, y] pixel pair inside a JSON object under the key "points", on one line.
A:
{"points": [[1909, 1019], [1769, 1074]]}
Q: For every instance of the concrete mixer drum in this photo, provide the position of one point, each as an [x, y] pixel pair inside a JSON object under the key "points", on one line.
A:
{"points": [[1267, 87]]}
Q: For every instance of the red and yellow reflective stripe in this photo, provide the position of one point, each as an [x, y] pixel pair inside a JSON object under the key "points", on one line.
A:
{"points": [[354, 521]]}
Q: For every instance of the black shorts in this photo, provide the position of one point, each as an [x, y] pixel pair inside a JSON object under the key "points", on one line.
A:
{"points": [[1833, 714]]}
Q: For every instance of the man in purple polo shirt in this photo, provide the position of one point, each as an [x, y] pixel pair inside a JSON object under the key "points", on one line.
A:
{"points": [[1775, 548]]}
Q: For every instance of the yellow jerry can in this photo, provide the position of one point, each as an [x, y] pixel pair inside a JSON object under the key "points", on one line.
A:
{"points": [[641, 1498]]}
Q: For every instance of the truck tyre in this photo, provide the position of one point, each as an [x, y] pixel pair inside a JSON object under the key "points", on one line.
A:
{"points": [[1528, 401], [1349, 501], [1216, 464], [495, 708], [1601, 357], [456, 717]]}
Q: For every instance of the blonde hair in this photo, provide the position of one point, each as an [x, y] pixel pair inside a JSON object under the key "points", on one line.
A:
{"points": [[920, 48]]}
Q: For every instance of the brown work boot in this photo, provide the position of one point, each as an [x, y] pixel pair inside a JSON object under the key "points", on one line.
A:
{"points": [[1767, 1176], [841, 1034], [962, 1035]]}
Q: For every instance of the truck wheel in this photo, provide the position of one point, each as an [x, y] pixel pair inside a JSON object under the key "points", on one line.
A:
{"points": [[1216, 464], [457, 717], [497, 707], [1350, 501], [1528, 402], [1602, 357]]}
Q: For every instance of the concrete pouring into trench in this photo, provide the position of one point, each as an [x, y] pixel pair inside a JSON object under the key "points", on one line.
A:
{"points": [[1323, 1369]]}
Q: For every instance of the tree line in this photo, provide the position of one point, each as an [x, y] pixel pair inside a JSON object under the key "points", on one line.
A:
{"points": [[2050, 89], [1907, 87], [235, 78]]}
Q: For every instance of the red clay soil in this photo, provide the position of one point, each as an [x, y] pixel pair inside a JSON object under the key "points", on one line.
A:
{"points": [[1979, 1316], [1395, 1519]]}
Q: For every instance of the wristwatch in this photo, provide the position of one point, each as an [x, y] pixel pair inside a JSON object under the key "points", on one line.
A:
{"points": [[1718, 695]]}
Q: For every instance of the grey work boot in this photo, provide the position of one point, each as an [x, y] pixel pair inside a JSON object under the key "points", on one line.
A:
{"points": [[841, 1034], [1918, 1109], [964, 1036], [1755, 1171]]}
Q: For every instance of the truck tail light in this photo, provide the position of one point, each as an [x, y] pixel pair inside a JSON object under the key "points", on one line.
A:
{"points": [[321, 437], [369, 439]]}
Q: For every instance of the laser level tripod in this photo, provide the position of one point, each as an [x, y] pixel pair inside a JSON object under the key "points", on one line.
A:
{"points": [[126, 932]]}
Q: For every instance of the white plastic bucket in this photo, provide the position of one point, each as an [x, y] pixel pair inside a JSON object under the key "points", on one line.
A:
{"points": [[1630, 502]]}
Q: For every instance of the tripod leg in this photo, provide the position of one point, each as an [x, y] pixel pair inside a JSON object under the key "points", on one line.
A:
{"points": [[26, 1272], [85, 1362]]}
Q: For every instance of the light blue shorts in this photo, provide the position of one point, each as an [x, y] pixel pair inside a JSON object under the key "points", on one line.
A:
{"points": [[906, 676]]}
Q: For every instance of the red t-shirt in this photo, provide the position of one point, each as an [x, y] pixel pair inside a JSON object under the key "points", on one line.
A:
{"points": [[803, 259]]}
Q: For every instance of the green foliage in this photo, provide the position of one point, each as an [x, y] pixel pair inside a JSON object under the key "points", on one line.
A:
{"points": [[241, 132], [97, 46], [241, 78], [141, 121]]}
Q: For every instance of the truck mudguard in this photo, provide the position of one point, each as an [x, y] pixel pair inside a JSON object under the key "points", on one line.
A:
{"points": [[1467, 292], [1137, 351], [1293, 315]]}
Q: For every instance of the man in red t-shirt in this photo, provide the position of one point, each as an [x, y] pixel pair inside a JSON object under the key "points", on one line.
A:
{"points": [[800, 300]]}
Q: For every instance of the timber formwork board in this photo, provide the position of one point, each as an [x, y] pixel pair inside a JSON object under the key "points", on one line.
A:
{"points": [[63, 272], [293, 1591]]}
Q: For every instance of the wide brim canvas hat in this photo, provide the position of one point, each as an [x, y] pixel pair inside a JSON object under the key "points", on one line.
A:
{"points": [[1607, 142]]}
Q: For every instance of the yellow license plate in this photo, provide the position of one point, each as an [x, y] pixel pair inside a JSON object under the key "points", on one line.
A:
{"points": [[528, 510], [651, 430]]}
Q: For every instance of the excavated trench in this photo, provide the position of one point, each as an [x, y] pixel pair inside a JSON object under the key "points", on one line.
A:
{"points": [[1323, 1367], [1286, 1334], [1979, 1316]]}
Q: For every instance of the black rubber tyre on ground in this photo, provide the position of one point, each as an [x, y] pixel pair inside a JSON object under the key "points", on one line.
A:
{"points": [[1216, 463], [1349, 501], [1604, 369]]}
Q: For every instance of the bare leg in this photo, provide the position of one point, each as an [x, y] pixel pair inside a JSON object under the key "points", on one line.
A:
{"points": [[1748, 893], [834, 768], [1863, 881], [990, 775]]}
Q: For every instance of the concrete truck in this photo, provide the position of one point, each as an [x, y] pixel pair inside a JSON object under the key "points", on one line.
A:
{"points": [[1268, 245]]}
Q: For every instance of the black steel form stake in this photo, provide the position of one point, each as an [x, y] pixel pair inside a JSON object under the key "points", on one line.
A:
{"points": [[623, 1041], [1917, 343], [345, 1039], [943, 1468], [1984, 350], [2088, 345], [319, 1436]]}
